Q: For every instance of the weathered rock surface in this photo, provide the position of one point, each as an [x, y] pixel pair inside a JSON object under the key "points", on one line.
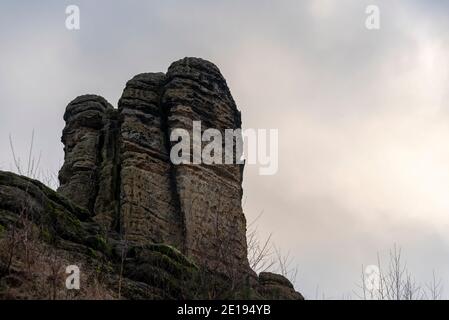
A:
{"points": [[149, 202], [83, 144], [150, 272], [210, 195], [276, 287], [67, 233], [117, 165], [174, 230]]}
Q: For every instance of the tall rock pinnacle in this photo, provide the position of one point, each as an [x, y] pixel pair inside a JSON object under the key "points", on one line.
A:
{"points": [[117, 165]]}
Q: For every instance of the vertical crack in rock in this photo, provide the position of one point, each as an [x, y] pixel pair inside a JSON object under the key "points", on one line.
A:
{"points": [[107, 204], [173, 183], [117, 178]]}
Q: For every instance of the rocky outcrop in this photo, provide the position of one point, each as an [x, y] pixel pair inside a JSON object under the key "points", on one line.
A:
{"points": [[174, 230], [26, 199], [276, 287], [37, 222], [57, 225], [117, 165]]}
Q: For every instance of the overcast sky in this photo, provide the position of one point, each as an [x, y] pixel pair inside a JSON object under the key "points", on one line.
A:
{"points": [[362, 115]]}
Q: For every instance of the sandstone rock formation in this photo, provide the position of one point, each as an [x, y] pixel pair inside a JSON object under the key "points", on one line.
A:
{"points": [[276, 287], [168, 227], [117, 165]]}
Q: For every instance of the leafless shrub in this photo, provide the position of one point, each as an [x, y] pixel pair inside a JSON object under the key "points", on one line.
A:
{"points": [[396, 282], [265, 256], [434, 288], [32, 167], [260, 255], [38, 270], [124, 253], [286, 265]]}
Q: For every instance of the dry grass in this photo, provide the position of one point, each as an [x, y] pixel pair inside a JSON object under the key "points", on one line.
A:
{"points": [[31, 269]]}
